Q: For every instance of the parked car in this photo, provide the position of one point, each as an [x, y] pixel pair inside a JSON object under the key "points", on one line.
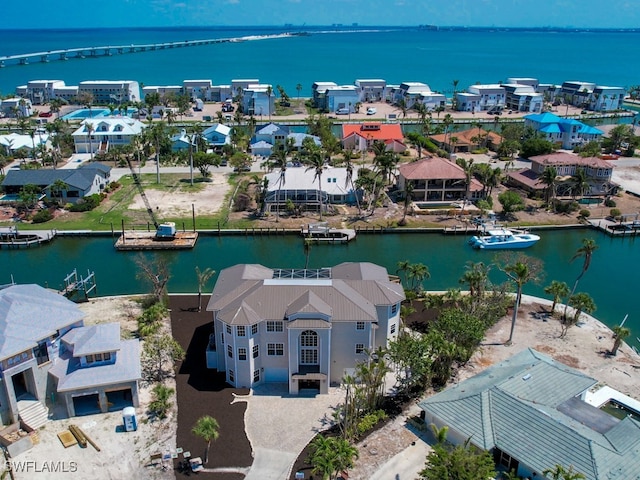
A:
{"points": [[372, 111], [342, 111]]}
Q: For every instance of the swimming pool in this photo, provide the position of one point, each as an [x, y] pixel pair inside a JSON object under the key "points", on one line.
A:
{"points": [[436, 205], [9, 197], [83, 113]]}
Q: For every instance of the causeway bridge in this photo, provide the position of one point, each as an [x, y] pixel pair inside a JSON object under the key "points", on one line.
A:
{"points": [[108, 50]]}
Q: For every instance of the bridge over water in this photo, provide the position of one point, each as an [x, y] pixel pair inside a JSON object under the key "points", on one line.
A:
{"points": [[108, 50]]}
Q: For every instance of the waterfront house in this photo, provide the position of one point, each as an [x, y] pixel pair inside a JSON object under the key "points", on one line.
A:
{"points": [[104, 92], [162, 91], [306, 328], [530, 81], [577, 93], [598, 174], [342, 99], [438, 180], [606, 99], [39, 92], [301, 187], [468, 140], [96, 371], [106, 132], [79, 182], [319, 94], [361, 136], [258, 99], [522, 98], [16, 107], [480, 98], [417, 92], [533, 413], [181, 141], [39, 329], [371, 90], [566, 133], [195, 89]]}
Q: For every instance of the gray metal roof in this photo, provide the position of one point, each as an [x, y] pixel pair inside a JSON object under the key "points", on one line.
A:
{"points": [[30, 313], [94, 339], [71, 376], [527, 407], [352, 294]]}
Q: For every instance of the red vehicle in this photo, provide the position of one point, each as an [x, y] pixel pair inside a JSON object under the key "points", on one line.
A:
{"points": [[45, 114]]}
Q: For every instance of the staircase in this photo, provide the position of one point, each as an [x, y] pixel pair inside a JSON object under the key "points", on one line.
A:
{"points": [[33, 413]]}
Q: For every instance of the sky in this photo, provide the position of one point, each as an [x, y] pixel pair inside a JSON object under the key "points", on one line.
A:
{"points": [[161, 13]]}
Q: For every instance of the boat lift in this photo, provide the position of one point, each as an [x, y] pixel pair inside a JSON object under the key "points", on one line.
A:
{"points": [[84, 285]]}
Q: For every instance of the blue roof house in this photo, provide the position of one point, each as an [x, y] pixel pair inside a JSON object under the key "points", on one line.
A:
{"points": [[567, 133], [217, 135], [533, 413]]}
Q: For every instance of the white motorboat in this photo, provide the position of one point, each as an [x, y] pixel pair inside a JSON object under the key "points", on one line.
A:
{"points": [[502, 239], [321, 232]]}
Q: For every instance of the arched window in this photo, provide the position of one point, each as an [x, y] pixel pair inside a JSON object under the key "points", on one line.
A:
{"points": [[309, 348]]}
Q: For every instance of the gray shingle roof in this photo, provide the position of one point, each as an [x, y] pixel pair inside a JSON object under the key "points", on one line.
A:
{"points": [[80, 178], [522, 406], [248, 293], [30, 313], [94, 339], [126, 369]]}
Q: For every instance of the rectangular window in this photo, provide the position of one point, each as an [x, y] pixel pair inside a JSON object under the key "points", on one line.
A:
{"points": [[394, 309], [241, 331], [98, 357], [107, 356], [256, 375], [229, 329], [393, 328], [309, 356], [359, 348], [229, 351], [242, 353], [89, 358], [359, 325], [222, 338], [254, 329], [256, 351], [274, 326], [275, 349], [232, 377]]}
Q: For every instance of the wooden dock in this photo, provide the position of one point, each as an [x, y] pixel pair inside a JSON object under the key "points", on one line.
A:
{"points": [[615, 228], [10, 237], [148, 241]]}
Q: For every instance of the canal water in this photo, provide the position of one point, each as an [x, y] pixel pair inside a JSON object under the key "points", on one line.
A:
{"points": [[612, 280]]}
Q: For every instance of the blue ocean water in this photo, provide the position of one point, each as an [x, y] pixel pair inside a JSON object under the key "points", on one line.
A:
{"points": [[394, 54]]}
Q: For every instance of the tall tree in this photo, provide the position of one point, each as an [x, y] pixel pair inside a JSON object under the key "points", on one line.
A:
{"points": [[558, 290], [463, 462], [203, 278], [208, 429], [585, 252], [549, 178], [581, 302], [278, 159], [620, 333], [315, 162]]}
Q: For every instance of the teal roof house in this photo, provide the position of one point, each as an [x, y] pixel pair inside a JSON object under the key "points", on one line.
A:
{"points": [[530, 412], [567, 133]]}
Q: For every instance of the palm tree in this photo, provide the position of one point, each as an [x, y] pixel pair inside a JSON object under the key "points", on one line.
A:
{"points": [[157, 133], [560, 473], [521, 271], [549, 178], [315, 160], [408, 198], [447, 121], [299, 89], [278, 159], [416, 274], [559, 290], [579, 181], [440, 434], [208, 429], [619, 333], [454, 100], [586, 252], [476, 276], [467, 166], [57, 188], [349, 178], [203, 278], [89, 128], [581, 302]]}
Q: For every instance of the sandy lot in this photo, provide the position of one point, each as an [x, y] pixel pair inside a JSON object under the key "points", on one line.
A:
{"points": [[122, 454], [178, 203]]}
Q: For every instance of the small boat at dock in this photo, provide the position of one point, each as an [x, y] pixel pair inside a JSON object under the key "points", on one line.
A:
{"points": [[322, 232], [503, 239]]}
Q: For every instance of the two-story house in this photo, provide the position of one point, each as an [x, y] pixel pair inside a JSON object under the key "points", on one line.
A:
{"points": [[479, 98], [307, 328], [99, 134], [567, 133]]}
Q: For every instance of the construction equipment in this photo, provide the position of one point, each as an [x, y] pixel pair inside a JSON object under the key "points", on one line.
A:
{"points": [[164, 231]]}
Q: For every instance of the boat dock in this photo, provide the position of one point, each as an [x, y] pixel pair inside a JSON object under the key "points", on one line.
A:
{"points": [[149, 241], [322, 233], [616, 228], [10, 237]]}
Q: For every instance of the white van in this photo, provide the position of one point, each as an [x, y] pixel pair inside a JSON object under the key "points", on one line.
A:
{"points": [[342, 111]]}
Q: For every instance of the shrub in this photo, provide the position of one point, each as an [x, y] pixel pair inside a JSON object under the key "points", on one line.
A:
{"points": [[566, 207], [87, 203], [370, 420], [584, 213], [149, 321], [161, 400], [609, 203], [42, 216], [615, 213]]}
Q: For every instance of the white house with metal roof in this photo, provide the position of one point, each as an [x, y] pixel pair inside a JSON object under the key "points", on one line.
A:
{"points": [[304, 328], [99, 134], [530, 412]]}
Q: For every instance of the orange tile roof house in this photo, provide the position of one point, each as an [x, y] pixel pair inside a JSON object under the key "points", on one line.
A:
{"points": [[361, 136], [468, 140], [438, 179]]}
